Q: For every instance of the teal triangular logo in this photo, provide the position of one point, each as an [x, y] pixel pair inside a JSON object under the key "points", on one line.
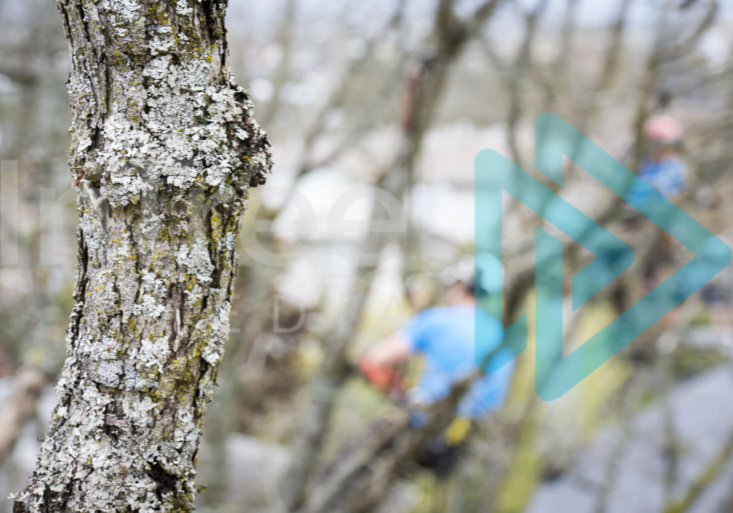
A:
{"points": [[555, 138]]}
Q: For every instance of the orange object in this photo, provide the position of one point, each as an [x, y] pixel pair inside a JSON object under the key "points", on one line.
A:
{"points": [[382, 377]]}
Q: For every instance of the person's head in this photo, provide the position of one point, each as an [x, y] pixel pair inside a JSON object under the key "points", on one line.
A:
{"points": [[458, 281], [460, 292], [664, 134]]}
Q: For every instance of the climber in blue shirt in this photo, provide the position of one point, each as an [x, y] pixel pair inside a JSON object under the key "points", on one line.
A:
{"points": [[663, 170], [445, 337]]}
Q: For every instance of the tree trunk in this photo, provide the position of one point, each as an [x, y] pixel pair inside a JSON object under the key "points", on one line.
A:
{"points": [[163, 154]]}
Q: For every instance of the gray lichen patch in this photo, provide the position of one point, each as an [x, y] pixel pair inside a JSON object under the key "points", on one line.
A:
{"points": [[165, 148]]}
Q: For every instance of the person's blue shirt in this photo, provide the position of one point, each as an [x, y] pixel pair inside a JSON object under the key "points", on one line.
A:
{"points": [[445, 336], [668, 176]]}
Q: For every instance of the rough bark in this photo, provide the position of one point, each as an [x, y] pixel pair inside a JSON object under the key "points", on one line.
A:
{"points": [[164, 151]]}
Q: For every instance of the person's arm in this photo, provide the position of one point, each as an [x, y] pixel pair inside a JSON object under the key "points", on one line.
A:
{"points": [[378, 362], [390, 351]]}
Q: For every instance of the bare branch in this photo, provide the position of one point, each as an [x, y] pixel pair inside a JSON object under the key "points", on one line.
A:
{"points": [[20, 406], [703, 480], [522, 63], [282, 73], [613, 54]]}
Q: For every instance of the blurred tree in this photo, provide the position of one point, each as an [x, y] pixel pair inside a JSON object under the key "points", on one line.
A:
{"points": [[424, 87], [164, 151]]}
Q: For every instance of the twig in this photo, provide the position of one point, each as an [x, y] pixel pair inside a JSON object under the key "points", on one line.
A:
{"points": [[20, 406]]}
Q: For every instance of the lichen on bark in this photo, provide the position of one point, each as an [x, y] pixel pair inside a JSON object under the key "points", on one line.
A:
{"points": [[164, 150]]}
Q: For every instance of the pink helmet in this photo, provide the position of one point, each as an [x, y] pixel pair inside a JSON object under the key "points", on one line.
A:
{"points": [[663, 129]]}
